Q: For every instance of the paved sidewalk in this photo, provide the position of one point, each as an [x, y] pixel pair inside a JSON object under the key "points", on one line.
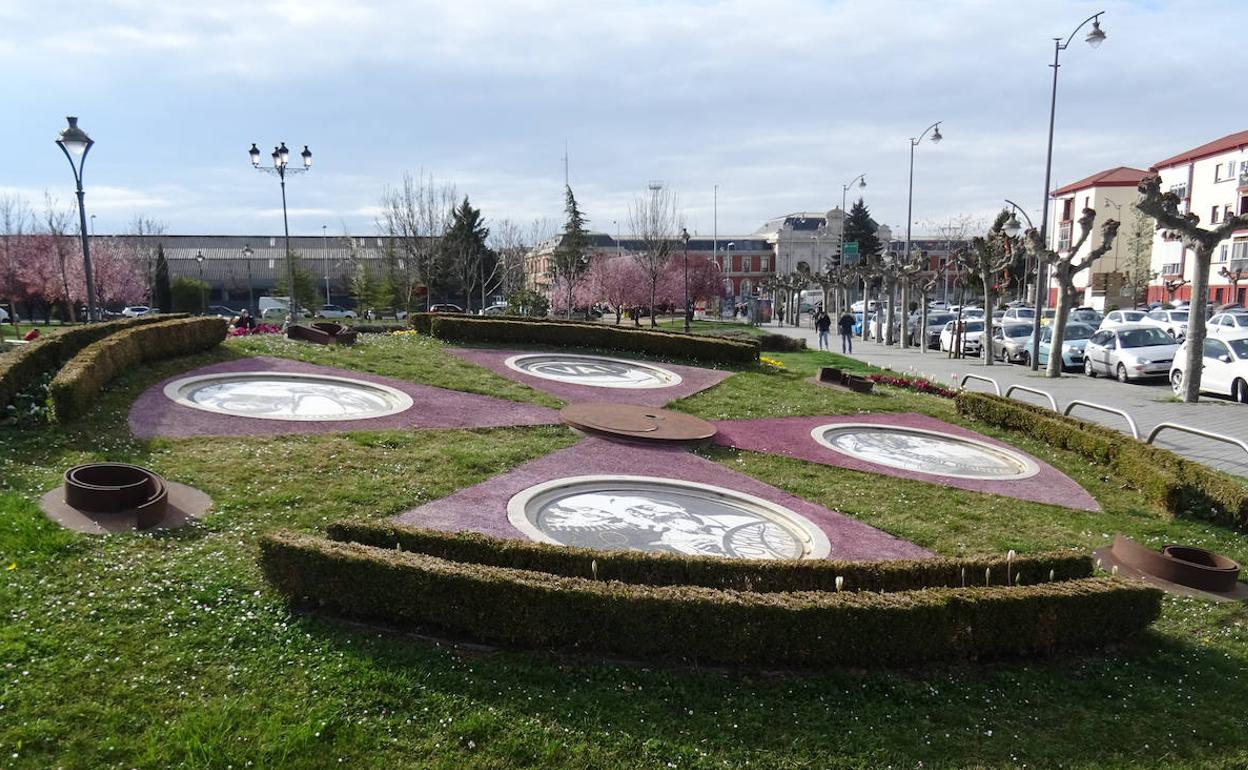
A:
{"points": [[1149, 404]]}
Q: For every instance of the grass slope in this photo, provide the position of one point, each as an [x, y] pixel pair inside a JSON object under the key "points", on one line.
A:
{"points": [[168, 651]]}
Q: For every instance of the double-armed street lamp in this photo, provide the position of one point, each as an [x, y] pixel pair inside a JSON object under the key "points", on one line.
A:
{"points": [[280, 169], [684, 236], [936, 137], [75, 143], [1094, 38]]}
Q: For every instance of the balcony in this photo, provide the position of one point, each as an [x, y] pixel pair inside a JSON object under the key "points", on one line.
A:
{"points": [[1173, 268]]}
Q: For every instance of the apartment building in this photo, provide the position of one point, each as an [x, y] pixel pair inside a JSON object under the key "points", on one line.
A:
{"points": [[1112, 194], [1212, 182]]}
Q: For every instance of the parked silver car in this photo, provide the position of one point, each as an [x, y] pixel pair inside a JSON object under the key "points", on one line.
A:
{"points": [[1009, 340], [1129, 352]]}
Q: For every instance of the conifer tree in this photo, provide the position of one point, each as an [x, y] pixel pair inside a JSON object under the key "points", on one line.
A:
{"points": [[570, 262], [162, 292], [861, 228]]}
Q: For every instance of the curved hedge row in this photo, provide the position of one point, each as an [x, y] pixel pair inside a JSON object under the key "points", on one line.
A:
{"points": [[693, 623], [474, 329], [1182, 487], [28, 363], [664, 569], [76, 385]]}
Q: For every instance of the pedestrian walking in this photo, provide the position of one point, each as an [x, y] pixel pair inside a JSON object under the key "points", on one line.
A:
{"points": [[823, 322], [846, 326]]}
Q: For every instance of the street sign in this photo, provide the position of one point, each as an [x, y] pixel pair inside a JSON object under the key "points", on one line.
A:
{"points": [[849, 253]]}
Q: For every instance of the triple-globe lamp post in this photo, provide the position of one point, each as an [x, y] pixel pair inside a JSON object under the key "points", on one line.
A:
{"points": [[280, 169]]}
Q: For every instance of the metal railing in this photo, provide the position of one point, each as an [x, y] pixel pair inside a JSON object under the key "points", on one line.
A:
{"points": [[1026, 389], [981, 378], [1195, 432], [1135, 432]]}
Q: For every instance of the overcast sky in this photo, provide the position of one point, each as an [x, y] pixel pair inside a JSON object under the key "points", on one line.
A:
{"points": [[779, 102]]}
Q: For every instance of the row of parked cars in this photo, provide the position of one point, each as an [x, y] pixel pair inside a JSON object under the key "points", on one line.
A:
{"points": [[1130, 345]]}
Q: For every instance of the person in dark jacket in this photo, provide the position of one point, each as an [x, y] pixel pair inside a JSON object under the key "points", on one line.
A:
{"points": [[823, 323], [846, 325]]}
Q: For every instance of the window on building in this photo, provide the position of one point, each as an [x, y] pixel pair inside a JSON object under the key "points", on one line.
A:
{"points": [[1239, 249], [1243, 205], [747, 265], [1063, 237], [1222, 253], [1068, 206], [1213, 215], [765, 264], [1180, 190], [1224, 171]]}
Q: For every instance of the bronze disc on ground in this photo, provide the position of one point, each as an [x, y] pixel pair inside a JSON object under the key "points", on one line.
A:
{"points": [[637, 423]]}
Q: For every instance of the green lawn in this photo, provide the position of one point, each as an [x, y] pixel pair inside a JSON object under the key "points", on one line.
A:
{"points": [[169, 651]]}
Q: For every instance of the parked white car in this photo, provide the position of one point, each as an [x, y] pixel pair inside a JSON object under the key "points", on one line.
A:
{"points": [[1115, 318], [134, 311], [335, 311], [1228, 324], [1027, 314], [1172, 322], [498, 308], [1129, 353], [972, 332], [1225, 371]]}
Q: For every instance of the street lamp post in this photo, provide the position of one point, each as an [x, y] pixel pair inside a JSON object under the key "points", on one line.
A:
{"points": [[203, 304], [75, 143], [684, 236], [251, 299], [936, 137], [1095, 37], [861, 179], [325, 261], [280, 169]]}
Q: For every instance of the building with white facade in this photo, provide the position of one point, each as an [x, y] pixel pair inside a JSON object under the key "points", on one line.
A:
{"points": [[1212, 182]]}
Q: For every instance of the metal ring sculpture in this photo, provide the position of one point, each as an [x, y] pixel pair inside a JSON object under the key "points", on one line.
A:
{"points": [[1185, 565], [117, 488]]}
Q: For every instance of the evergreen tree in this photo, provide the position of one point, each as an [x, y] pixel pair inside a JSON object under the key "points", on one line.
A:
{"points": [[570, 262], [465, 251], [861, 228], [162, 292]]}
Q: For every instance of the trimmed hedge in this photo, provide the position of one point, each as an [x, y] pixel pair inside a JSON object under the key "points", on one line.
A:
{"points": [[692, 623], [475, 329], [75, 387], [1184, 488], [45, 355], [636, 567]]}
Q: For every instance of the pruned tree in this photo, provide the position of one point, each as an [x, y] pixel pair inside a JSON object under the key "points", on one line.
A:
{"points": [[618, 282], [1164, 209], [16, 222], [1171, 286], [925, 282], [1233, 277], [570, 261], [984, 258], [57, 224], [1065, 270], [655, 221]]}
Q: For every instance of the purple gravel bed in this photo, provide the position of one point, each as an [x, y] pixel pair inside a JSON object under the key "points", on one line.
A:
{"points": [[693, 379], [790, 436], [152, 414], [483, 507]]}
